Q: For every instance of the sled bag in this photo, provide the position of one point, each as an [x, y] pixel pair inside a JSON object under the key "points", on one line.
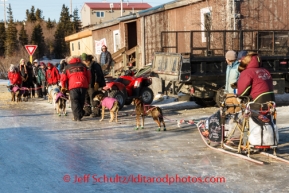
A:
{"points": [[214, 127], [263, 133]]}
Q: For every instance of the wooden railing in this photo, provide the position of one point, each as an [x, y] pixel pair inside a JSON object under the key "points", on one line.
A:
{"points": [[122, 58]]}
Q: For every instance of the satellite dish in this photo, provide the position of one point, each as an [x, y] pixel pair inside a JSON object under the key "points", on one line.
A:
{"points": [[111, 5]]}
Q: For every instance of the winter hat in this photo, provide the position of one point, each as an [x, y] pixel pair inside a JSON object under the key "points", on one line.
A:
{"points": [[73, 60], [83, 57], [250, 57], [231, 55], [35, 61], [62, 61], [42, 64], [12, 68], [241, 54], [49, 65]]}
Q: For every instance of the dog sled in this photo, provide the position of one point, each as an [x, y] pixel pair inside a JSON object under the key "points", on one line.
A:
{"points": [[244, 129]]}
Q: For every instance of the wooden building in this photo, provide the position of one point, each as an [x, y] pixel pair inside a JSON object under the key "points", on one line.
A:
{"points": [[135, 38]]}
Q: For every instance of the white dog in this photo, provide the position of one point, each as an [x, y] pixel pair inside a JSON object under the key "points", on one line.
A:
{"points": [[52, 93]]}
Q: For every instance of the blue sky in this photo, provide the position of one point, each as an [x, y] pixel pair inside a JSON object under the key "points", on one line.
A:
{"points": [[52, 8]]}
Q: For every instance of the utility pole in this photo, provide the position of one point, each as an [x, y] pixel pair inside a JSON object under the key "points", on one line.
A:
{"points": [[4, 13], [121, 8], [70, 7]]}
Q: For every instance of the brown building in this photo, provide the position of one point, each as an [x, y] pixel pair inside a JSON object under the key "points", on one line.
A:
{"points": [[141, 33]]}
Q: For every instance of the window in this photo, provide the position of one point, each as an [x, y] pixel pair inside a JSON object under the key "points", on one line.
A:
{"points": [[206, 21], [78, 45], [116, 40], [99, 14]]}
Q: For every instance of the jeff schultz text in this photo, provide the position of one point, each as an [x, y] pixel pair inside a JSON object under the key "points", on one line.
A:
{"points": [[142, 179]]}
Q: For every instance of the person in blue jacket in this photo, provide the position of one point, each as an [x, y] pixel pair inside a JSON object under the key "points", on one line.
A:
{"points": [[232, 73]]}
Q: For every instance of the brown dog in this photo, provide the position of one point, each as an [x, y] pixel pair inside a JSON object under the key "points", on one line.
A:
{"points": [[15, 93], [155, 112], [110, 103]]}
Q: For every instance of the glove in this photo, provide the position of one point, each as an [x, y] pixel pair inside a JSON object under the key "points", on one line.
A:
{"points": [[234, 85], [96, 86]]}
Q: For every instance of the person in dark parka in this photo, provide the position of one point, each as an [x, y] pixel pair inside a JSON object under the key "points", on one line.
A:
{"points": [[30, 79], [97, 81]]}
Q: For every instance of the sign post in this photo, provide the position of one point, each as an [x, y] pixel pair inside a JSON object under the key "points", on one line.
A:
{"points": [[30, 49]]}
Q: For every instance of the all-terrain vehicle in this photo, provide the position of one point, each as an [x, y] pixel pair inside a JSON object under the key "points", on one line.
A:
{"points": [[126, 87]]}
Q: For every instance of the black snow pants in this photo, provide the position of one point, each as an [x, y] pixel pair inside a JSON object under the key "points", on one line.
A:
{"points": [[77, 97], [92, 107]]}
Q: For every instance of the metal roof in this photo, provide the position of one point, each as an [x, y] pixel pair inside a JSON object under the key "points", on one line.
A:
{"points": [[125, 6]]}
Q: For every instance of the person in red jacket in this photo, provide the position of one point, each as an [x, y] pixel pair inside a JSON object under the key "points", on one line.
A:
{"points": [[255, 81], [77, 76], [52, 75], [14, 76], [15, 79]]}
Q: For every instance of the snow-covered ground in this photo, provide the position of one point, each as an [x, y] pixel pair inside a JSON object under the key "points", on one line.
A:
{"points": [[3, 82], [165, 101]]}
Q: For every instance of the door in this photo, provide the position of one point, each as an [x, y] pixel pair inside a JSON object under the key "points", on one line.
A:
{"points": [[131, 35]]}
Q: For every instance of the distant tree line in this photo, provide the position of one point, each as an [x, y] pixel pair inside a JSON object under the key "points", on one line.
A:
{"points": [[14, 35]]}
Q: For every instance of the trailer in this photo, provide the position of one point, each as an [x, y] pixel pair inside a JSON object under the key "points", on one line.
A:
{"points": [[193, 62]]}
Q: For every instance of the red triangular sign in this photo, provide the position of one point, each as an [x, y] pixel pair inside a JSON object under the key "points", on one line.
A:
{"points": [[30, 49]]}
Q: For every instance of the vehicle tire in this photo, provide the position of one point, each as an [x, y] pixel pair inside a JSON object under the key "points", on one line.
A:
{"points": [[205, 102], [119, 96], [128, 101], [147, 95]]}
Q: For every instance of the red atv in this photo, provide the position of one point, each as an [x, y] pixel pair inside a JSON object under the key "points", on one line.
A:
{"points": [[125, 88]]}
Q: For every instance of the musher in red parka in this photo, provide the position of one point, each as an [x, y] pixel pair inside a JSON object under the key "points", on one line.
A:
{"points": [[255, 81], [77, 76]]}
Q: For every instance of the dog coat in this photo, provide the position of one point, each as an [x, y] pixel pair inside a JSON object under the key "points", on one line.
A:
{"points": [[108, 102], [59, 95], [15, 89]]}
